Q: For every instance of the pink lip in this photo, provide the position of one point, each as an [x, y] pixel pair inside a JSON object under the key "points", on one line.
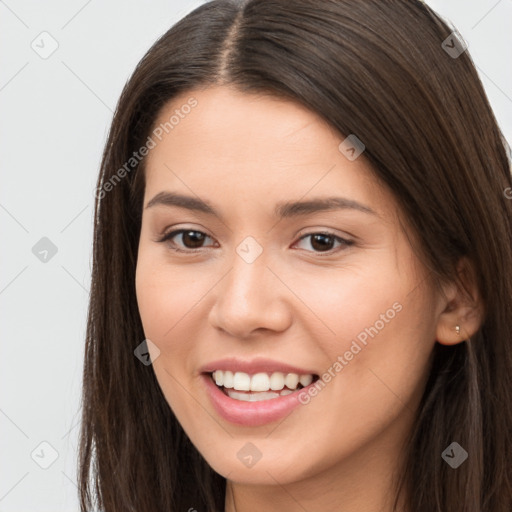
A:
{"points": [[255, 366], [251, 414]]}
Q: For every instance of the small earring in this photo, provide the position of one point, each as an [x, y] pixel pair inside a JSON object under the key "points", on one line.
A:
{"points": [[457, 329]]}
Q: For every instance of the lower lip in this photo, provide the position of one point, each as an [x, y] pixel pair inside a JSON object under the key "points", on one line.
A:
{"points": [[251, 414]]}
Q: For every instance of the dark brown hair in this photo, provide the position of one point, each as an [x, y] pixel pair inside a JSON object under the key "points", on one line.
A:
{"points": [[379, 70]]}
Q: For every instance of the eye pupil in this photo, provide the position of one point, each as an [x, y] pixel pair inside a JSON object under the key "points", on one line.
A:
{"points": [[193, 239], [323, 246], [196, 236]]}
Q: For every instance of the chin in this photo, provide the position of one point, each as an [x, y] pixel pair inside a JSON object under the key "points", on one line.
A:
{"points": [[236, 465]]}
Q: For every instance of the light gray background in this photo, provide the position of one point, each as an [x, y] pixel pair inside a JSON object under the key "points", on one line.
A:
{"points": [[55, 114]]}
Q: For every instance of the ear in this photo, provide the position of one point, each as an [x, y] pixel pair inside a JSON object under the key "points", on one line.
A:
{"points": [[463, 307]]}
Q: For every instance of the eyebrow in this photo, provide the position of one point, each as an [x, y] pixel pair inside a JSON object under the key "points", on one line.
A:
{"points": [[285, 209]]}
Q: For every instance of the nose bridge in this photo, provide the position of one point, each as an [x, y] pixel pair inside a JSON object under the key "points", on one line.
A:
{"points": [[248, 298], [247, 283]]}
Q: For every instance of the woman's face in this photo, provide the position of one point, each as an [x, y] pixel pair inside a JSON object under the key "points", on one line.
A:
{"points": [[265, 289]]}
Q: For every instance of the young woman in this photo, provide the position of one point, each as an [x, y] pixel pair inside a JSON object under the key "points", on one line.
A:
{"points": [[301, 284]]}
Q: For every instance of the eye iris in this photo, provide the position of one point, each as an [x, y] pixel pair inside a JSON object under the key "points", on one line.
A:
{"points": [[323, 246], [196, 236], [319, 241]]}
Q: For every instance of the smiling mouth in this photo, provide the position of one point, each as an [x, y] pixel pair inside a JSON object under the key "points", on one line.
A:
{"points": [[260, 386]]}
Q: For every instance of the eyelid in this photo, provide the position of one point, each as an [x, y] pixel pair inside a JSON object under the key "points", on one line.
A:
{"points": [[171, 233], [168, 235], [325, 231], [347, 242]]}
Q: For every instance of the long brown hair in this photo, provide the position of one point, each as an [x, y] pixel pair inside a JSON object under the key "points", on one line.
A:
{"points": [[386, 72]]}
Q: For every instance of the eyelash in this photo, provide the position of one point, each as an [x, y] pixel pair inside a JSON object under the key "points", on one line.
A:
{"points": [[168, 236]]}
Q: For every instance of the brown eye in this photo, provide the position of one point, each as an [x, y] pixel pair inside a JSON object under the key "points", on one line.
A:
{"points": [[324, 242], [190, 238]]}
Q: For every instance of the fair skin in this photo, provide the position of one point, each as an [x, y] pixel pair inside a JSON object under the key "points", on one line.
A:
{"points": [[294, 303]]}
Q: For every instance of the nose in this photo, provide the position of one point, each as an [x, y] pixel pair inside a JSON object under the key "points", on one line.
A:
{"points": [[250, 298]]}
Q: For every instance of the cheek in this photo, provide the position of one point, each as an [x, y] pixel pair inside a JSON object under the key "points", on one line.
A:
{"points": [[373, 326], [166, 299], [166, 294], [345, 301], [170, 301]]}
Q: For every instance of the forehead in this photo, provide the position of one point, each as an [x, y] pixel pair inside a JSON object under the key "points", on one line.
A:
{"points": [[232, 124], [256, 147]]}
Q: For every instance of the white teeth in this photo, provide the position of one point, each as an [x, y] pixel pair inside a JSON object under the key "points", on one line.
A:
{"points": [[277, 381], [291, 380], [251, 397], [260, 382], [256, 397], [218, 376], [306, 380], [228, 379], [241, 381]]}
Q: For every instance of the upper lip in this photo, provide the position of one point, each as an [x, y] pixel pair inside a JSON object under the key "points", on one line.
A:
{"points": [[259, 365]]}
